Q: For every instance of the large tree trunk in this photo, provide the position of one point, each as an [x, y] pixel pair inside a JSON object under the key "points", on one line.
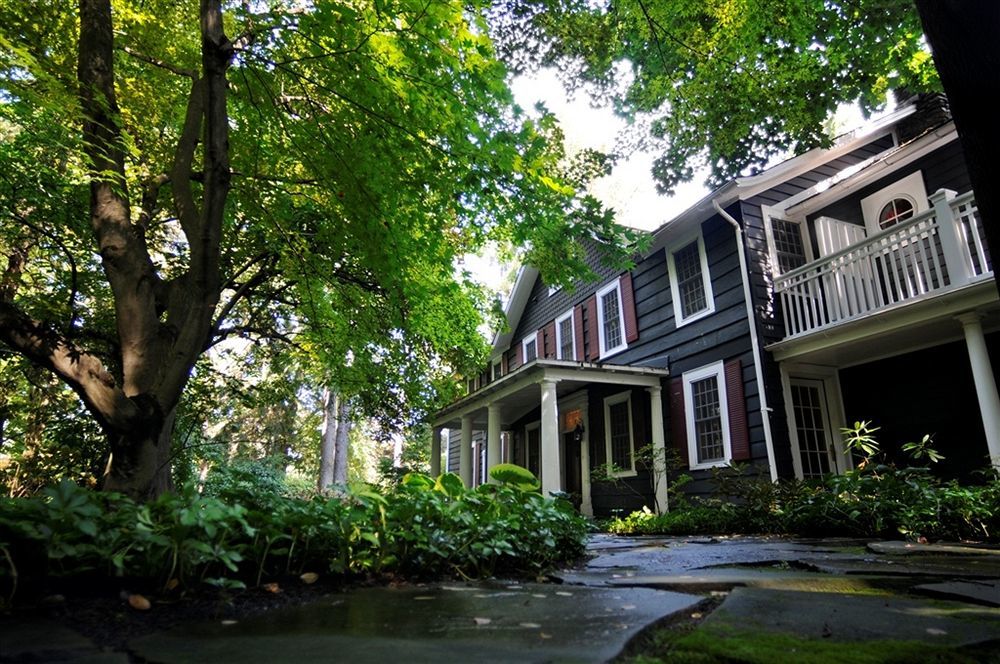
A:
{"points": [[162, 327], [343, 443], [962, 36], [328, 441]]}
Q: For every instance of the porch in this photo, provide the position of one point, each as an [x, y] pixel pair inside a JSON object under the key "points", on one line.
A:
{"points": [[920, 283], [558, 389]]}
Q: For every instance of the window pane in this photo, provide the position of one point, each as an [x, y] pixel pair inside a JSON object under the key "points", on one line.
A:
{"points": [[612, 320], [691, 289], [788, 244], [621, 446], [895, 211], [707, 420], [566, 339]]}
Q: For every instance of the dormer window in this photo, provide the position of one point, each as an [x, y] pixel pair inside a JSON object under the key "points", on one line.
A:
{"points": [[529, 348], [610, 321], [565, 339]]}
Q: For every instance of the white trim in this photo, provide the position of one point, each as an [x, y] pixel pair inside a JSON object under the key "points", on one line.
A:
{"points": [[717, 370], [616, 286], [496, 369], [572, 335], [910, 188], [706, 280], [531, 338], [613, 400]]}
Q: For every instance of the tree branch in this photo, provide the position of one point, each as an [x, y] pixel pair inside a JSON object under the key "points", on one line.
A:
{"points": [[156, 62], [83, 372]]}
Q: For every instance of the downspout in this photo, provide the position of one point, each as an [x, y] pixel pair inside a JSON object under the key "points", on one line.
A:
{"points": [[755, 344]]}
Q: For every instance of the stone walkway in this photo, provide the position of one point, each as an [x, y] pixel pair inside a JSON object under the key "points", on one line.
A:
{"points": [[813, 594]]}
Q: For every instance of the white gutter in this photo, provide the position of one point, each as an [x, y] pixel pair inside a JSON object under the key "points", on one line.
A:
{"points": [[751, 320]]}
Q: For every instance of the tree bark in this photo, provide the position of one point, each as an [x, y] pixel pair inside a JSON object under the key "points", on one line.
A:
{"points": [[962, 36], [343, 456], [328, 441]]}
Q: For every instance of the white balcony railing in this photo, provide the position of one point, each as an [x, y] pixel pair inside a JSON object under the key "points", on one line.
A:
{"points": [[941, 248]]}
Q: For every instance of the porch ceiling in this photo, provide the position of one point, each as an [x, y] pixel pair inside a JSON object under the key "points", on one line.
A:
{"points": [[519, 391], [904, 328]]}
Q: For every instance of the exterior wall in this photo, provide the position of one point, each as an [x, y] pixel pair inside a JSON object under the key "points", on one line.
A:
{"points": [[899, 396], [767, 314]]}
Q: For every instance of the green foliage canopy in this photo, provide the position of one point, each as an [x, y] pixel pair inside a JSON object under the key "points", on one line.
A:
{"points": [[727, 84], [359, 149]]}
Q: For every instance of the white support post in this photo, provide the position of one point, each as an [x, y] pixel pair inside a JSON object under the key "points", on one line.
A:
{"points": [[492, 438], [550, 439], [986, 387], [435, 452], [659, 443], [951, 242], [465, 451]]}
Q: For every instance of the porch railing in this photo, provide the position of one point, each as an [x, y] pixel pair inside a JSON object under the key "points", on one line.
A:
{"points": [[941, 248]]}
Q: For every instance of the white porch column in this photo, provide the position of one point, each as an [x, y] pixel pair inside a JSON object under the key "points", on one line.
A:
{"points": [[986, 387], [550, 438], [659, 443], [492, 437], [435, 452], [465, 451], [951, 242]]}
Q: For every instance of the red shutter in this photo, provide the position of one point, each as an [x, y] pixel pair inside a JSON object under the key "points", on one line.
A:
{"points": [[503, 364], [592, 339], [739, 434], [539, 344], [678, 424], [578, 330], [519, 358], [628, 308], [550, 339]]}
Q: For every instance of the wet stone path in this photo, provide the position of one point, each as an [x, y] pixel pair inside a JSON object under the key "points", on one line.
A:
{"points": [[825, 591]]}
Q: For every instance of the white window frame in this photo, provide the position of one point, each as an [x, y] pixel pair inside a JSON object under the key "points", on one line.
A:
{"points": [[605, 351], [612, 401], [531, 338], [830, 378], [572, 336], [706, 281], [910, 187], [716, 369], [496, 369]]}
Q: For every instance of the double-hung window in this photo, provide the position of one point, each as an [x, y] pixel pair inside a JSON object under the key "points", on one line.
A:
{"points": [[707, 417], [618, 435], [690, 281], [565, 338], [610, 319], [529, 348]]}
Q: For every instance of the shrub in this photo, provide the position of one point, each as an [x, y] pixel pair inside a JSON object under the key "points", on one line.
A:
{"points": [[876, 499], [426, 527]]}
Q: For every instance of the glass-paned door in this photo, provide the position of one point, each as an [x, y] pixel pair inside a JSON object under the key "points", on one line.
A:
{"points": [[812, 427]]}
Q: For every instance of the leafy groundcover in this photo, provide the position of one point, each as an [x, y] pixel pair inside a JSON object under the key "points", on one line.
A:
{"points": [[423, 529]]}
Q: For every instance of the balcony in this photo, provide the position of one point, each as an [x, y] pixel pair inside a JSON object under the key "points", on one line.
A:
{"points": [[927, 256]]}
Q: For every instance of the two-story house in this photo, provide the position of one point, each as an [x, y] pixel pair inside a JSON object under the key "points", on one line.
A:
{"points": [[848, 283]]}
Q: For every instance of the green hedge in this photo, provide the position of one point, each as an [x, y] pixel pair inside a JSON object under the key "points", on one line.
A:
{"points": [[873, 501], [425, 528]]}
